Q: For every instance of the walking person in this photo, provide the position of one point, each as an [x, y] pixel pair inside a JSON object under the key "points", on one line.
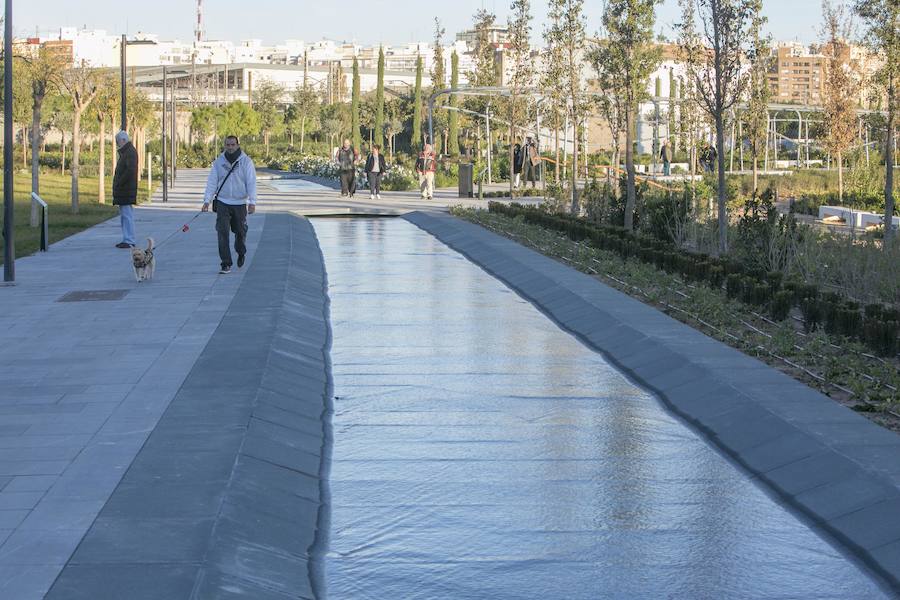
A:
{"points": [[124, 187], [666, 158], [346, 158], [530, 161], [517, 164], [375, 170], [426, 165], [231, 188]]}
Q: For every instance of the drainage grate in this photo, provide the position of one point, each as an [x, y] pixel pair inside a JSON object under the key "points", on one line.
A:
{"points": [[93, 295]]}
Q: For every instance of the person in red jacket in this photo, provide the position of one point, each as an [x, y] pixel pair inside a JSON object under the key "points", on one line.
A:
{"points": [[425, 167]]}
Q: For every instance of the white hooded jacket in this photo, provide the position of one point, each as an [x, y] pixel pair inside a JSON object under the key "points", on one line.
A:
{"points": [[240, 188]]}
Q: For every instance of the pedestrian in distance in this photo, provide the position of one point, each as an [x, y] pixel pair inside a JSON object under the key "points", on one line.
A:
{"points": [[517, 164], [346, 158], [375, 170], [231, 189], [531, 160], [666, 158], [124, 187], [426, 164]]}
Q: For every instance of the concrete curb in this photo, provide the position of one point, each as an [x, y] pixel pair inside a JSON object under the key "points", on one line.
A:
{"points": [[831, 464], [224, 497]]}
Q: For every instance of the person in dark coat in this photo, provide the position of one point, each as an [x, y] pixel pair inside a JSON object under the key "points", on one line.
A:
{"points": [[346, 158], [375, 170], [124, 187], [517, 164]]}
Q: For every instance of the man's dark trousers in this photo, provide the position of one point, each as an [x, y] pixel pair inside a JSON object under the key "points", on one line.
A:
{"points": [[347, 182], [231, 218]]}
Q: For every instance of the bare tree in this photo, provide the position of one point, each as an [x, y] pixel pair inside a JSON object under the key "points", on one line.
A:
{"points": [[882, 18], [759, 93], [715, 64], [553, 76], [81, 84], [568, 34], [519, 26], [103, 108], [841, 87]]}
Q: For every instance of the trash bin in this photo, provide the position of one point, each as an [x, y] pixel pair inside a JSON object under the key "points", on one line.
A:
{"points": [[466, 171]]}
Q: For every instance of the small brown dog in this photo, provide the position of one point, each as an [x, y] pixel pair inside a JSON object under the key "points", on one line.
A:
{"points": [[143, 262]]}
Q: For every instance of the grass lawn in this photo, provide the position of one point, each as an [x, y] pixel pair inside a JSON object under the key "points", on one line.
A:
{"points": [[56, 192]]}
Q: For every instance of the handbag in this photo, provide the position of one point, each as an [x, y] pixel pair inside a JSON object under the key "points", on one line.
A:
{"points": [[215, 202]]}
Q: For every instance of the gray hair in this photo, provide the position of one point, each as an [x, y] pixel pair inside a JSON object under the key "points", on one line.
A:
{"points": [[122, 137]]}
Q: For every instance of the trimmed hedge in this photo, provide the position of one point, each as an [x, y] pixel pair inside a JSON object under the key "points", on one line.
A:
{"points": [[877, 326]]}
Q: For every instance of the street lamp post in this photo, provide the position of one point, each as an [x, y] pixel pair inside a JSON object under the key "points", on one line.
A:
{"points": [[9, 258], [122, 47]]}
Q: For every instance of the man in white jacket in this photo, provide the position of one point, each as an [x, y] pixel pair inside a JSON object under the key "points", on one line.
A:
{"points": [[232, 183]]}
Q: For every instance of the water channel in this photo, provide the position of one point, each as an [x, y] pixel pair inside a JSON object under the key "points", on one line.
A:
{"points": [[482, 452]]}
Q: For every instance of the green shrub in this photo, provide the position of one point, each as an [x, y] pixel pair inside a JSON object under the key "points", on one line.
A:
{"points": [[811, 307], [780, 305]]}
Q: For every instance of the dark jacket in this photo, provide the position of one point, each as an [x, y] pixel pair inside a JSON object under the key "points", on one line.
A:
{"points": [[517, 158], [125, 179], [664, 153], [370, 162]]}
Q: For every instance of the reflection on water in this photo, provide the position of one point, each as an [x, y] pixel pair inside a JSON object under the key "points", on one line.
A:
{"points": [[295, 185], [480, 452]]}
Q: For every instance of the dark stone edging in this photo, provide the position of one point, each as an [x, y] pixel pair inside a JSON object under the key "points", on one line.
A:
{"points": [[225, 497], [832, 465]]}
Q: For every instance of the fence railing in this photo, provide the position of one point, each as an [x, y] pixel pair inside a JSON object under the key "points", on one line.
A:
{"points": [[45, 224]]}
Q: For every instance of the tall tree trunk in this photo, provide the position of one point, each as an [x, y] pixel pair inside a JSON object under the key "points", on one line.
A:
{"points": [[112, 145], [720, 158], [24, 147], [512, 137], [62, 168], [755, 175], [556, 133], [101, 189], [630, 194], [35, 154], [76, 152], [575, 204], [302, 132], [840, 163], [889, 173]]}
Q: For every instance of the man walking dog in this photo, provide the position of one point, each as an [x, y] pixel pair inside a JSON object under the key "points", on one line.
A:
{"points": [[231, 188]]}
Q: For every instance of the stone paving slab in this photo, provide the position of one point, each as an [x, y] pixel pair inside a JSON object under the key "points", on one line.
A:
{"points": [[223, 498], [828, 462]]}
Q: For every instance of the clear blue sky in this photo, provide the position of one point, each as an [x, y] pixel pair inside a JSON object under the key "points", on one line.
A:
{"points": [[365, 21]]}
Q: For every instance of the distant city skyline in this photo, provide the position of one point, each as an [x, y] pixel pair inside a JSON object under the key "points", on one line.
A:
{"points": [[371, 21]]}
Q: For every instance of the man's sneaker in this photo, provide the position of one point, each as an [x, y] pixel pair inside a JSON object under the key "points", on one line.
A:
{"points": [[225, 270], [240, 261], [371, 196], [378, 196], [124, 245]]}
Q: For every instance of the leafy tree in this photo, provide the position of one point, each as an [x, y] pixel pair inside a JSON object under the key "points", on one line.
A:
{"points": [[44, 72], [105, 105], [354, 108], [882, 19], [81, 85], [306, 104], [485, 73], [841, 88], [379, 99], [453, 117], [203, 121], [238, 119], [759, 94], [715, 64], [437, 78], [266, 103], [624, 62], [553, 77]]}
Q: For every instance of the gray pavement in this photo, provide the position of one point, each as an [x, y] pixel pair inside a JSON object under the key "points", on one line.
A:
{"points": [[115, 412]]}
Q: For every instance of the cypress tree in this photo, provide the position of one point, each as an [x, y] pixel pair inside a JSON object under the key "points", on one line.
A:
{"points": [[379, 100], [354, 108]]}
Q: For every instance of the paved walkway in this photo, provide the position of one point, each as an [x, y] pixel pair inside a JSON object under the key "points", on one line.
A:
{"points": [[135, 439]]}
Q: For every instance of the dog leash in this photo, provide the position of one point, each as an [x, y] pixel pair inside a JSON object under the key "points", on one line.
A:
{"points": [[183, 229]]}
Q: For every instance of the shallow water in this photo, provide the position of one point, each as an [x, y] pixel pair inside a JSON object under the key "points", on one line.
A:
{"points": [[296, 185], [481, 452]]}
